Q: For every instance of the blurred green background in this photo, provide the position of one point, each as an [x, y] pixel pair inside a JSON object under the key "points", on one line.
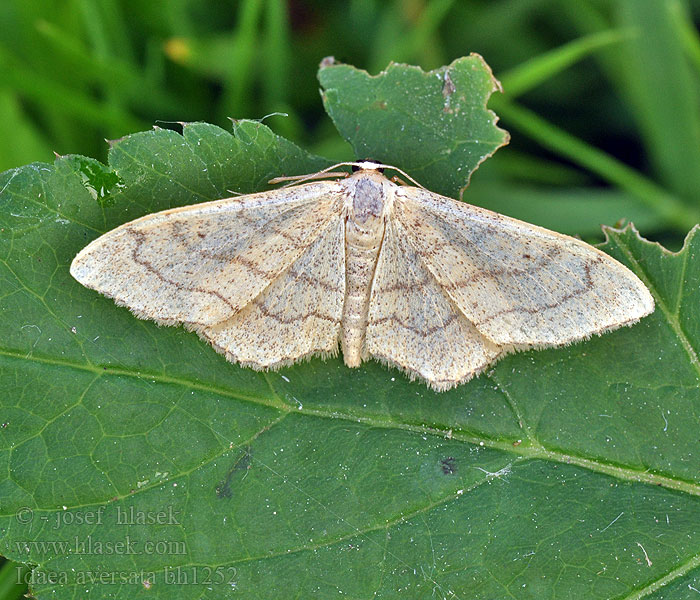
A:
{"points": [[601, 96]]}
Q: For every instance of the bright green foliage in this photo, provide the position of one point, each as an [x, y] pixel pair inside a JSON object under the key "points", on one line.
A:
{"points": [[600, 96], [559, 473], [665, 100]]}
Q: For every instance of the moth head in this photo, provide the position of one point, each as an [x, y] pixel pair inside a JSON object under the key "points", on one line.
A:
{"points": [[367, 165]]}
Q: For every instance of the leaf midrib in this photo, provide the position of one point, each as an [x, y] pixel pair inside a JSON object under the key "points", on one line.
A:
{"points": [[525, 450]]}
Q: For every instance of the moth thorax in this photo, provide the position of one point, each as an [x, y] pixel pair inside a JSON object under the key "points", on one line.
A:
{"points": [[366, 222]]}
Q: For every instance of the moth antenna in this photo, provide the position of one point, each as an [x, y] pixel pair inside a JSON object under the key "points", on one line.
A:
{"points": [[293, 179], [328, 173]]}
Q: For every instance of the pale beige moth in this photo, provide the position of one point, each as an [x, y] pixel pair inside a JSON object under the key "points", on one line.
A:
{"points": [[422, 282]]}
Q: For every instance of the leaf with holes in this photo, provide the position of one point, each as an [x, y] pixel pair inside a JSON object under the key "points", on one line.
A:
{"points": [[137, 461]]}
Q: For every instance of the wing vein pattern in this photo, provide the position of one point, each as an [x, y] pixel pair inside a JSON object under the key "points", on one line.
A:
{"points": [[202, 264], [520, 285]]}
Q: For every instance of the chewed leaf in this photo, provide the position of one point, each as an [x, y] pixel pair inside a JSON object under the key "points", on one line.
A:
{"points": [[568, 472], [434, 125]]}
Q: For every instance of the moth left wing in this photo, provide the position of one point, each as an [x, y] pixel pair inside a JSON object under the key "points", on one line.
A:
{"points": [[297, 316], [519, 284], [415, 326]]}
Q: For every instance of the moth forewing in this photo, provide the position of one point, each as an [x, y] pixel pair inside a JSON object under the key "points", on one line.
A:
{"points": [[204, 263]]}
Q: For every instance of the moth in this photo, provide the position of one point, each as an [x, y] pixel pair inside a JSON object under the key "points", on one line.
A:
{"points": [[428, 284]]}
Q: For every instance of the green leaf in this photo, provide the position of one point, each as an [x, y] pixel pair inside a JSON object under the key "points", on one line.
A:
{"points": [[567, 472], [433, 125]]}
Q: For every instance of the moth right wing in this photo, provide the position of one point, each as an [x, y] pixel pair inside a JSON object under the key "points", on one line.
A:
{"points": [[519, 284], [202, 264]]}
